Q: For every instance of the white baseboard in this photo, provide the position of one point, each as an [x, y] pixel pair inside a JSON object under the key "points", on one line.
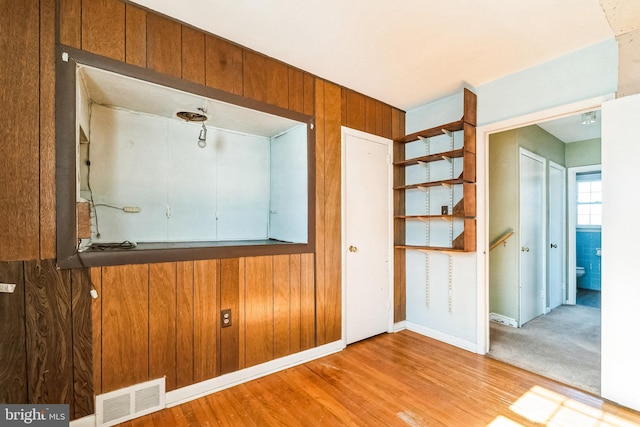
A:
{"points": [[194, 391], [446, 338], [503, 320], [400, 326]]}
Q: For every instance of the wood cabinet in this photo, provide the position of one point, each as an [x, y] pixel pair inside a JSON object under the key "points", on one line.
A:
{"points": [[449, 167]]}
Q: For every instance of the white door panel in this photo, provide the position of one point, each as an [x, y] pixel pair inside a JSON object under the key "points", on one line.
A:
{"points": [[367, 237], [532, 232], [557, 247]]}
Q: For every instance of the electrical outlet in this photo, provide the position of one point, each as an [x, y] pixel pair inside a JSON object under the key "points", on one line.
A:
{"points": [[225, 318]]}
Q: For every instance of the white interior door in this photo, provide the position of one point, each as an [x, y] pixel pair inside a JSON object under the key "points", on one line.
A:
{"points": [[557, 245], [532, 236], [620, 253], [367, 234]]}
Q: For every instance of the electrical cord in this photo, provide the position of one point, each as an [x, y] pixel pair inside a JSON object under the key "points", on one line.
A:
{"points": [[106, 246]]}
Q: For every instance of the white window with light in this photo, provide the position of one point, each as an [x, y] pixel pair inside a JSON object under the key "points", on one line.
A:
{"points": [[589, 200]]}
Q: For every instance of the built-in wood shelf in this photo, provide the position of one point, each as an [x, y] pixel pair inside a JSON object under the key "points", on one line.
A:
{"points": [[465, 208]]}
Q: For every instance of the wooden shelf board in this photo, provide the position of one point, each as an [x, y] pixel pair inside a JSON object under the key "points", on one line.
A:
{"points": [[432, 216], [431, 158], [433, 184], [430, 248], [435, 131]]}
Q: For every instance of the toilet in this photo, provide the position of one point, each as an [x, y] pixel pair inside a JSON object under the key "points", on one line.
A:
{"points": [[579, 274]]}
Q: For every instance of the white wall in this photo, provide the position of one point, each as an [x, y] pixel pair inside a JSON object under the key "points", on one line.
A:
{"points": [[186, 193], [585, 74], [620, 252], [289, 183]]}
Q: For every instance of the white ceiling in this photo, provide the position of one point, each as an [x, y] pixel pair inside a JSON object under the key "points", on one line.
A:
{"points": [[405, 53], [570, 129], [115, 90]]}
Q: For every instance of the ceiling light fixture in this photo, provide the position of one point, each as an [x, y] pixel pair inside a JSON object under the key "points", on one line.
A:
{"points": [[202, 138], [197, 117], [588, 118]]}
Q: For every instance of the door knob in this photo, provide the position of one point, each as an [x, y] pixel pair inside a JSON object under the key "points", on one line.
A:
{"points": [[525, 249], [353, 249], [554, 246]]}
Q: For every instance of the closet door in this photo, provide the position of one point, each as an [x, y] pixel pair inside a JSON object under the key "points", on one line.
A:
{"points": [[367, 235], [557, 247], [532, 236]]}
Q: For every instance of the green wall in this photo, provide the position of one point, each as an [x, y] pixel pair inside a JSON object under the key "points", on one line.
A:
{"points": [[583, 153]]}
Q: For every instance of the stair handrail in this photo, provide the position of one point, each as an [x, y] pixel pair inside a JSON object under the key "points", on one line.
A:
{"points": [[502, 239]]}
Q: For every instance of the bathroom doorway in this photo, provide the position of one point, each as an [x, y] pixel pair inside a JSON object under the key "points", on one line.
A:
{"points": [[585, 225]]}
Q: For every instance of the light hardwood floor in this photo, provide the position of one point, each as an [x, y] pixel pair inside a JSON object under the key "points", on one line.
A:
{"points": [[401, 379]]}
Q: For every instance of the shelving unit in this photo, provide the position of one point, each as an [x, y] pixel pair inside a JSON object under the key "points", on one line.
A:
{"points": [[464, 210]]}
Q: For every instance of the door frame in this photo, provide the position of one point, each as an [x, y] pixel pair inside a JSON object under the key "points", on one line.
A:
{"points": [[572, 282], [563, 234], [389, 143], [482, 188], [543, 274]]}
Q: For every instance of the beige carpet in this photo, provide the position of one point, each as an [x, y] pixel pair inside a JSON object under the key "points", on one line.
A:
{"points": [[563, 344]]}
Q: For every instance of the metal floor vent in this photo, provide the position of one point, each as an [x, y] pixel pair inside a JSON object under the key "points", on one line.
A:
{"points": [[131, 402]]}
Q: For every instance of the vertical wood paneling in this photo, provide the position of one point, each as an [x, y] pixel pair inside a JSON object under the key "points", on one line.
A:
{"points": [[277, 83], [265, 79], [370, 105], [184, 324], [96, 330], [135, 35], [397, 129], [241, 317], [103, 26], [320, 268], [308, 302], [296, 90], [230, 299], [397, 123], [309, 83], [125, 321], [193, 56], [48, 331], [19, 148], [47, 130], [82, 344], [281, 306], [387, 130], [205, 320], [333, 217], [294, 307], [70, 22], [258, 310], [255, 76], [355, 110], [223, 65], [164, 45], [379, 119], [13, 353], [162, 323]]}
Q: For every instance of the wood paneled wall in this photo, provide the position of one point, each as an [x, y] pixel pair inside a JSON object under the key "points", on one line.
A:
{"points": [[45, 330], [164, 319], [160, 319]]}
